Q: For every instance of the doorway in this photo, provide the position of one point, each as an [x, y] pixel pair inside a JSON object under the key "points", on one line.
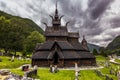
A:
{"points": [[55, 59]]}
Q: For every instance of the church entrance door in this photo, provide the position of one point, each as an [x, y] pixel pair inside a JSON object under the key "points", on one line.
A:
{"points": [[55, 59]]}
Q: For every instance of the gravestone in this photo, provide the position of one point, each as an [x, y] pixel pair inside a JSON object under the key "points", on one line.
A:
{"points": [[56, 69], [31, 73], [12, 59], [25, 68], [106, 64], [1, 54], [19, 58], [107, 77], [50, 68], [53, 69], [118, 75], [111, 71], [35, 67], [0, 60], [76, 72]]}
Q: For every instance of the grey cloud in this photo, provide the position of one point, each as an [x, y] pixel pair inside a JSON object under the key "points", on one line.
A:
{"points": [[2, 4], [88, 20], [98, 7], [115, 22]]}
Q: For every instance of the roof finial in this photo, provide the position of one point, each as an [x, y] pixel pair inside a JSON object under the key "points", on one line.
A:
{"points": [[56, 4], [83, 36], [56, 11]]}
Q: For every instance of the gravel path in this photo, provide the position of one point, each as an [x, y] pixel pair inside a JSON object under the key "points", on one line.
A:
{"points": [[82, 68]]}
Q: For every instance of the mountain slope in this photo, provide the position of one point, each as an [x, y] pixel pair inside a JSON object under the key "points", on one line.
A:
{"points": [[92, 47], [115, 44], [27, 23]]}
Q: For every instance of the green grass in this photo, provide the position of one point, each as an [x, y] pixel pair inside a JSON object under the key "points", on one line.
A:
{"points": [[6, 63], [101, 58], [17, 71], [67, 75], [106, 71], [44, 74], [90, 75], [117, 60]]}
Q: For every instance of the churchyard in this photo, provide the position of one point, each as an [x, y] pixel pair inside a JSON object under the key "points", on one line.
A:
{"points": [[6, 62], [108, 72]]}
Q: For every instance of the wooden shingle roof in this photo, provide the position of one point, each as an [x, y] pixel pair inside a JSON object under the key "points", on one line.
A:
{"points": [[49, 44], [74, 35], [85, 54], [40, 55], [70, 55], [51, 32]]}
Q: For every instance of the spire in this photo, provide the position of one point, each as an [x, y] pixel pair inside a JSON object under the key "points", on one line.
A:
{"points": [[56, 12], [56, 18], [83, 36], [84, 43], [84, 40]]}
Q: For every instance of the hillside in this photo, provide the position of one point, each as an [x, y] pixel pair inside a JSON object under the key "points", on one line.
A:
{"points": [[27, 23], [115, 44], [92, 47]]}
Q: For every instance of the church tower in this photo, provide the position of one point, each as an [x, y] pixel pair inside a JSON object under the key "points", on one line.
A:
{"points": [[56, 20], [84, 43]]}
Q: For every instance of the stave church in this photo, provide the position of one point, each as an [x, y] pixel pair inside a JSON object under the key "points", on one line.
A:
{"points": [[62, 48]]}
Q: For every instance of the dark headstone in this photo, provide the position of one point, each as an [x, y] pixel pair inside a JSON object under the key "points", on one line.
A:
{"points": [[111, 71], [56, 69], [1, 54], [31, 73], [50, 68], [107, 77], [0, 60], [25, 68]]}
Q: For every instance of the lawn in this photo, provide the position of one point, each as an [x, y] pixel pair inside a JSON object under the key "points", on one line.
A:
{"points": [[117, 60], [44, 74], [6, 63]]}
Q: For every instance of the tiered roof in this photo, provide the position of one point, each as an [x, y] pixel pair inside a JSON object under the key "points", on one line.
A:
{"points": [[65, 49]]}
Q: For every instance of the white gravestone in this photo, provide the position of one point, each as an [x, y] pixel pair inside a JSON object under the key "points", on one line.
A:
{"points": [[118, 75], [76, 71]]}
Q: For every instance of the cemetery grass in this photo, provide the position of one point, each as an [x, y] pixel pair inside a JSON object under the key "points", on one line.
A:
{"points": [[106, 71], [17, 71], [44, 74], [117, 60], [7, 64], [100, 58]]}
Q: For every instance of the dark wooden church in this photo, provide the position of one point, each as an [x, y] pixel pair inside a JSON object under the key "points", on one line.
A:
{"points": [[61, 47]]}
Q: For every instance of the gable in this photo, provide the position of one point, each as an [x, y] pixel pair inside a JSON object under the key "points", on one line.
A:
{"points": [[52, 53]]}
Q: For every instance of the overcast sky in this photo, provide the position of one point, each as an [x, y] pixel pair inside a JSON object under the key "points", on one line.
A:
{"points": [[98, 20]]}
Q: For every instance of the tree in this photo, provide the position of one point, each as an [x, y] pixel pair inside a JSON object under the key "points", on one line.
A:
{"points": [[95, 52], [104, 52], [11, 36], [4, 33], [14, 31], [16, 37], [31, 41]]}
